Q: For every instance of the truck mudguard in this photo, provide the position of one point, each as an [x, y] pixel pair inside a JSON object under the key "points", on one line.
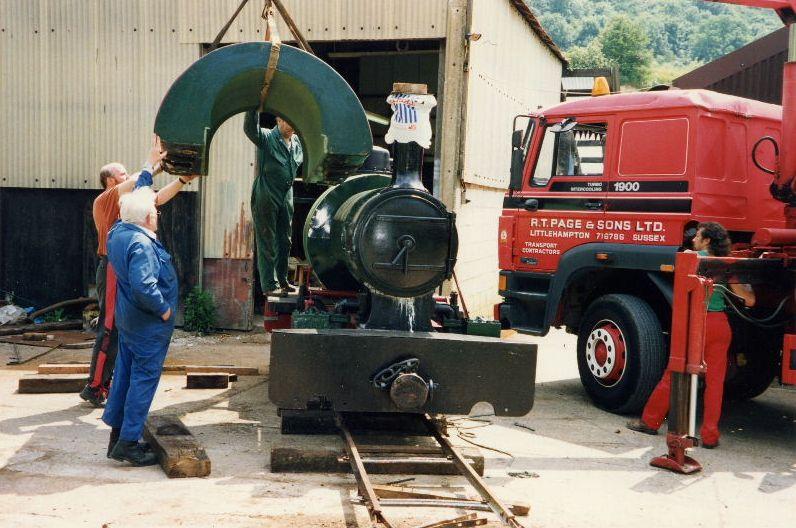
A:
{"points": [[583, 258], [305, 91], [620, 256]]}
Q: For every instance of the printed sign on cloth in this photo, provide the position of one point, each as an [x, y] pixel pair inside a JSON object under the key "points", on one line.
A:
{"points": [[411, 119]]}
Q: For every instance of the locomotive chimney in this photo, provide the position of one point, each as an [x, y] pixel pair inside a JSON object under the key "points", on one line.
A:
{"points": [[410, 129]]}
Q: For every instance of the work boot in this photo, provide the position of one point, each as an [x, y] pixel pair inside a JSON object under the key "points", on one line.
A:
{"points": [[641, 427], [93, 396], [287, 289], [113, 439], [133, 452]]}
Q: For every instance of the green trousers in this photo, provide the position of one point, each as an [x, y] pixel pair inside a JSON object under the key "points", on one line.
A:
{"points": [[273, 218]]}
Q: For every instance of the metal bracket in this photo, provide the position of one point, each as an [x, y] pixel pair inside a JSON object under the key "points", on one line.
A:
{"points": [[384, 378]]}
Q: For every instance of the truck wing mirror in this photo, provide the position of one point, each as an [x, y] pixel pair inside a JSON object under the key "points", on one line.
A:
{"points": [[516, 139], [517, 162]]}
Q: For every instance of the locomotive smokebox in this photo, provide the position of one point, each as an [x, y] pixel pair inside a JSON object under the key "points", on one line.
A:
{"points": [[399, 242]]}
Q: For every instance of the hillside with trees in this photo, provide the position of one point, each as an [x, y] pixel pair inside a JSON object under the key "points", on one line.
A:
{"points": [[652, 41]]}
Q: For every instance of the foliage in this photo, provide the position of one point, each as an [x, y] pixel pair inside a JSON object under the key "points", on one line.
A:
{"points": [[55, 316], [680, 33], [718, 36], [200, 312], [626, 43], [590, 56]]}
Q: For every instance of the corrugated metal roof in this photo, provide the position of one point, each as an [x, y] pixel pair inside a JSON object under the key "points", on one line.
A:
{"points": [[318, 20], [580, 84], [754, 71]]}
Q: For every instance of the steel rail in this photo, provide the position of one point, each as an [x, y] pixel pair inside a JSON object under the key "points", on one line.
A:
{"points": [[471, 475], [358, 468]]}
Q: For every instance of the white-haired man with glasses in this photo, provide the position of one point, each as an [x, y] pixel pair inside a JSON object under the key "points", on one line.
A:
{"points": [[146, 300]]}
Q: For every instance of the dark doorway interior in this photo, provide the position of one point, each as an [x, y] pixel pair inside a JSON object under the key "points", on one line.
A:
{"points": [[48, 250]]}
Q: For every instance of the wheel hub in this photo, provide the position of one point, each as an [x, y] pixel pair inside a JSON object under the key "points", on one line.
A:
{"points": [[605, 353]]}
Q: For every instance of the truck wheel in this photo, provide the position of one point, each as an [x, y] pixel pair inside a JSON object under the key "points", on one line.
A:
{"points": [[622, 352], [755, 356]]}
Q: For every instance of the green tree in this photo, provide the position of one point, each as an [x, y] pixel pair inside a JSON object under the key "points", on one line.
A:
{"points": [[589, 30], [559, 28], [718, 36], [590, 56], [626, 43]]}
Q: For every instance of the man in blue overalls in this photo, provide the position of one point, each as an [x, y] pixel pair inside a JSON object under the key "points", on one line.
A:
{"points": [[146, 301]]}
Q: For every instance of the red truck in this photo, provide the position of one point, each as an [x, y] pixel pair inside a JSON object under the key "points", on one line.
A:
{"points": [[604, 193]]}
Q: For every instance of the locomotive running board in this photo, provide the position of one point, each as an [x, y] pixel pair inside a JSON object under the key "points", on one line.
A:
{"points": [[334, 369]]}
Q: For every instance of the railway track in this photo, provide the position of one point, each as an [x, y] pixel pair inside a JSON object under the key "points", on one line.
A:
{"points": [[377, 498]]}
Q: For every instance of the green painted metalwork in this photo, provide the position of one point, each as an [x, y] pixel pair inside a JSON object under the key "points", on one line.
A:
{"points": [[305, 91], [318, 246]]}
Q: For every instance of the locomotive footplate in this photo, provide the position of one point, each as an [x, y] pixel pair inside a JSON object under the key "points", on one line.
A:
{"points": [[393, 371]]}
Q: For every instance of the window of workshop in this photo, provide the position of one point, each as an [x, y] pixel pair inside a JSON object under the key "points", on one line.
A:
{"points": [[576, 152], [654, 147]]}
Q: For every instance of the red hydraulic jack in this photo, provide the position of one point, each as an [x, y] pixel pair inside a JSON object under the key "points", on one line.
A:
{"points": [[686, 363]]}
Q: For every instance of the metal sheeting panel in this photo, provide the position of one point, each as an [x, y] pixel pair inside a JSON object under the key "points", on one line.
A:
{"points": [[511, 72], [227, 218], [318, 20], [80, 84]]}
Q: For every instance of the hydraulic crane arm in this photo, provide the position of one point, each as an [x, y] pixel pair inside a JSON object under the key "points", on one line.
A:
{"points": [[786, 9], [783, 188]]}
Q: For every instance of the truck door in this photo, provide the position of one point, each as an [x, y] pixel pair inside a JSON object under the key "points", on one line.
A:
{"points": [[562, 202], [648, 199]]}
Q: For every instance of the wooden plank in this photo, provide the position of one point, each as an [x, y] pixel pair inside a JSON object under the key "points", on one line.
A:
{"points": [[230, 369], [291, 459], [179, 453], [63, 368], [207, 380], [49, 383], [400, 492], [37, 336], [78, 346], [470, 519], [21, 329]]}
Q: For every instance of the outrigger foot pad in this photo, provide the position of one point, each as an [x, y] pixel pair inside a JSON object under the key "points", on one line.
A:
{"points": [[676, 460]]}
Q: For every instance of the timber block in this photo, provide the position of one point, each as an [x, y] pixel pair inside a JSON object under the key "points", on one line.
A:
{"points": [[179, 453], [230, 369], [207, 380], [398, 461], [50, 383], [63, 368]]}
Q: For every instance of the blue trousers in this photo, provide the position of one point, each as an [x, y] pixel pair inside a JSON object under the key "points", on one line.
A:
{"points": [[139, 364]]}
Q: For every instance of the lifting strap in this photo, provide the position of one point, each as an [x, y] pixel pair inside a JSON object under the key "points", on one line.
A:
{"points": [[272, 34]]}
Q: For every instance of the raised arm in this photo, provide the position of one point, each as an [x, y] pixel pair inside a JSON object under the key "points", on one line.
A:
{"points": [[171, 189], [251, 126]]}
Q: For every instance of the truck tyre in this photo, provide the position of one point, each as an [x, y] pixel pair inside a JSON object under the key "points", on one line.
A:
{"points": [[755, 359], [622, 352]]}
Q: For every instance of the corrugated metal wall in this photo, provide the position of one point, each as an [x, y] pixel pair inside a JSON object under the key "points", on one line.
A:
{"points": [[510, 72], [319, 20], [80, 83], [753, 71]]}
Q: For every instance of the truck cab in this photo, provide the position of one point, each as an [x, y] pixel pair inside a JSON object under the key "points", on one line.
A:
{"points": [[604, 192]]}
